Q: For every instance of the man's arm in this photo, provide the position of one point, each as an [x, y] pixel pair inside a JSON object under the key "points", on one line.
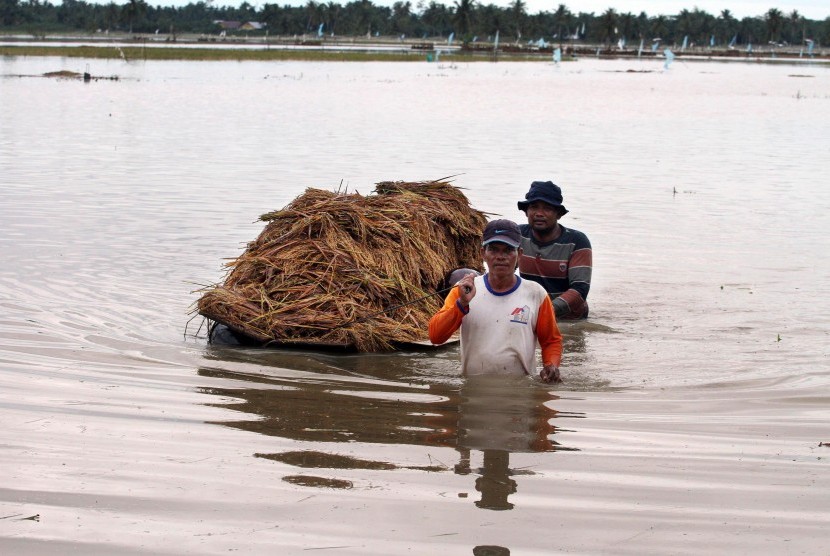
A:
{"points": [[446, 321], [550, 339], [572, 304]]}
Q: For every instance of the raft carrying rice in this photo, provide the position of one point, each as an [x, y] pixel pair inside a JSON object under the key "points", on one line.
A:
{"points": [[347, 270]]}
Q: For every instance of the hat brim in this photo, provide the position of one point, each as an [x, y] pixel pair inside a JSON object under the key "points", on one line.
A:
{"points": [[523, 206], [501, 239]]}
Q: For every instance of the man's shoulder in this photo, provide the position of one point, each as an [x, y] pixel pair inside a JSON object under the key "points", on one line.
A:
{"points": [[570, 235], [534, 288], [524, 229]]}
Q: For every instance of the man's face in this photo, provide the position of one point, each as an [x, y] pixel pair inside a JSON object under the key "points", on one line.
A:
{"points": [[501, 258], [542, 217]]}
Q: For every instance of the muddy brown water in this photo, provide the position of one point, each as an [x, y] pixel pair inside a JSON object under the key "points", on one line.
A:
{"points": [[695, 397]]}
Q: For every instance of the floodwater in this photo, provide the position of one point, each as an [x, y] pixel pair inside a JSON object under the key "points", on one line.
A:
{"points": [[695, 398]]}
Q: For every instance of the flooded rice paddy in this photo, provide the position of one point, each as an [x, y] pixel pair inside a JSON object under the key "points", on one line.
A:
{"points": [[695, 397]]}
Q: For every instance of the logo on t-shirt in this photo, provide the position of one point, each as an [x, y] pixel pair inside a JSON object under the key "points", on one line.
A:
{"points": [[520, 315]]}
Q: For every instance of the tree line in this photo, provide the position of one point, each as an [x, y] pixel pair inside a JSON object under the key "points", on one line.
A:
{"points": [[465, 20]]}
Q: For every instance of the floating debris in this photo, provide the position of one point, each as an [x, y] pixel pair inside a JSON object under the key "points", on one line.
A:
{"points": [[320, 482], [86, 76]]}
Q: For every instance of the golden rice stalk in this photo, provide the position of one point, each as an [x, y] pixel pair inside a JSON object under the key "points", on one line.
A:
{"points": [[332, 268]]}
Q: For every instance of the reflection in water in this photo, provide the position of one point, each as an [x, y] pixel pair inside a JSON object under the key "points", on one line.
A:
{"points": [[499, 415], [495, 484], [322, 460], [325, 409], [493, 415]]}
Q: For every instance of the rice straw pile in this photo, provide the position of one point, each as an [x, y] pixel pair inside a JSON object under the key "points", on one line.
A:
{"points": [[327, 264]]}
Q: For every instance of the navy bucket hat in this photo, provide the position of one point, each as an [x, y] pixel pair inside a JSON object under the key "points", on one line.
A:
{"points": [[545, 191]]}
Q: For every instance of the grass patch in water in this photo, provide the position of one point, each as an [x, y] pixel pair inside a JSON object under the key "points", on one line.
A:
{"points": [[320, 482], [198, 54]]}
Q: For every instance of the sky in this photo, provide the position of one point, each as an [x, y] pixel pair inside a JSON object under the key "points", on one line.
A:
{"points": [[811, 9]]}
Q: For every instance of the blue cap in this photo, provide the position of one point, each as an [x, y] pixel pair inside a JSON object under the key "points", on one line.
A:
{"points": [[504, 231]]}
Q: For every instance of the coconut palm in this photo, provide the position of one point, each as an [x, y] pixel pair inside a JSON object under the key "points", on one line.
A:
{"points": [[331, 12], [132, 11], [312, 12], [462, 19], [659, 27], [561, 19], [608, 26], [684, 23], [796, 27], [436, 18], [627, 25], [774, 20], [402, 21], [518, 14], [727, 25]]}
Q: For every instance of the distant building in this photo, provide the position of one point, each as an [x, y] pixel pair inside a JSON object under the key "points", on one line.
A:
{"points": [[239, 26], [252, 26], [228, 25]]}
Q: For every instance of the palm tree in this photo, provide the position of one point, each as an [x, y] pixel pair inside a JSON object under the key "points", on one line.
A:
{"points": [[659, 27], [774, 19], [727, 24], [685, 25], [133, 10], [331, 12], [518, 13], [561, 18], [312, 10], [642, 25], [796, 28], [490, 19], [627, 23], [402, 17], [436, 18], [111, 15], [608, 26], [463, 17]]}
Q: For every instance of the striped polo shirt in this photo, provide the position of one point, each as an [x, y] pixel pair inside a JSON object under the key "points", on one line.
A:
{"points": [[562, 267]]}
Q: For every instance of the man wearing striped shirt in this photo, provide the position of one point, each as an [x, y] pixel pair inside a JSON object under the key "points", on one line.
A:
{"points": [[556, 257]]}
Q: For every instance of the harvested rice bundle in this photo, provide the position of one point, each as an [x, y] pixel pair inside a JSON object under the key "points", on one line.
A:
{"points": [[328, 266]]}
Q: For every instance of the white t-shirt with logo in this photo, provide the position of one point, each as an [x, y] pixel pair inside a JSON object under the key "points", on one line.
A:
{"points": [[498, 334]]}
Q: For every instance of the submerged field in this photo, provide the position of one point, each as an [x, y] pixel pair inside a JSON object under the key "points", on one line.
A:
{"points": [[363, 50], [693, 416]]}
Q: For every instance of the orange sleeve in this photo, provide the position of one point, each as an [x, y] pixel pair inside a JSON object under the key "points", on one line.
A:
{"points": [[547, 331], [446, 321]]}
